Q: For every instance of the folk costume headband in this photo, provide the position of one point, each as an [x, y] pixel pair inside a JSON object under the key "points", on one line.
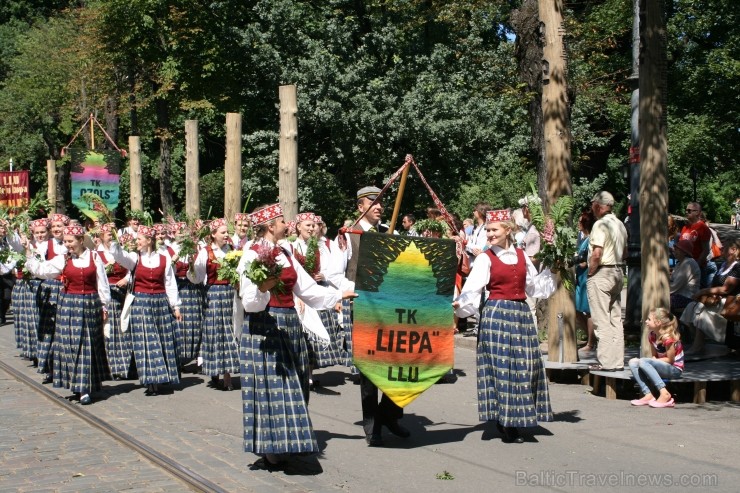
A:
{"points": [[241, 216], [217, 223], [39, 223], [146, 231], [74, 230], [498, 216], [266, 214], [305, 216], [59, 218]]}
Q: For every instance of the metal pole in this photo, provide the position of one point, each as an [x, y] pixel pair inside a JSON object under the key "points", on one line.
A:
{"points": [[561, 332]]}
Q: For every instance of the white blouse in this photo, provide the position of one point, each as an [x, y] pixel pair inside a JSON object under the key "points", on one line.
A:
{"points": [[198, 273], [128, 261], [49, 269], [540, 285], [306, 289]]}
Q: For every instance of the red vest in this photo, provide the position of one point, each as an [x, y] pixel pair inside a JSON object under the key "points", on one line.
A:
{"points": [[212, 266], [80, 280], [117, 273], [150, 279], [181, 268], [507, 281], [289, 277]]}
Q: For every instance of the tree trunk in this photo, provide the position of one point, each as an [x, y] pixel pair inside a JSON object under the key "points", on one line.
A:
{"points": [[528, 52], [556, 121], [165, 158], [653, 158], [111, 121]]}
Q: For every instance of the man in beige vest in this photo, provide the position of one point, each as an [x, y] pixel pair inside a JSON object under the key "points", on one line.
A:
{"points": [[606, 251]]}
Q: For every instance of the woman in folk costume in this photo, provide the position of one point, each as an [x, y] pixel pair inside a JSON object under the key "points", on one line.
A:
{"points": [[49, 295], [274, 358], [512, 386], [307, 252], [192, 299], [219, 348], [154, 311], [25, 304], [119, 345], [79, 353], [240, 238]]}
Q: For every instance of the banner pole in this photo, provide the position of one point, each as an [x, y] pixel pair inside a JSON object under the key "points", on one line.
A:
{"points": [[92, 132], [399, 196]]}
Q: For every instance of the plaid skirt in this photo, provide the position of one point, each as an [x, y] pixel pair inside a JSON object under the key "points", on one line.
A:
{"points": [[189, 331], [79, 353], [320, 354], [274, 377], [152, 327], [119, 347], [20, 288], [30, 317], [219, 348], [512, 386], [47, 298], [346, 330]]}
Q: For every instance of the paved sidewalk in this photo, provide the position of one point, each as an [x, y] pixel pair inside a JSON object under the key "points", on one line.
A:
{"points": [[592, 439]]}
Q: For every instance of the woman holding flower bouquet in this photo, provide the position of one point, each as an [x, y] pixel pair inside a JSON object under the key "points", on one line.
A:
{"points": [[306, 251], [274, 357], [512, 386], [79, 362], [27, 308], [219, 347], [154, 311], [119, 346]]}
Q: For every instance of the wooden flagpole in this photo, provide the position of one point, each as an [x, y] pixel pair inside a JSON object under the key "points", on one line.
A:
{"points": [[92, 132], [399, 196]]}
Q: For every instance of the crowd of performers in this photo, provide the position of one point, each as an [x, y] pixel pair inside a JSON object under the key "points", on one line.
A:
{"points": [[74, 283]]}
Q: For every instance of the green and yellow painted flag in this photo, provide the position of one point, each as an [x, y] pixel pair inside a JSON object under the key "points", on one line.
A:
{"points": [[403, 335]]}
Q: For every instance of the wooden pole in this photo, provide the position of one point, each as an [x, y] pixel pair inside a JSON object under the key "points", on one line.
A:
{"points": [[653, 162], [233, 169], [192, 170], [288, 161], [92, 132], [399, 196], [558, 161], [51, 183], [134, 170]]}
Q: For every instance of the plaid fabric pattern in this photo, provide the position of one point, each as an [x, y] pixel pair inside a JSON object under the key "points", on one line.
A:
{"points": [[512, 386], [119, 347], [31, 316], [152, 327], [19, 315], [47, 299], [274, 377], [346, 328], [189, 331], [219, 348], [79, 353], [320, 354]]}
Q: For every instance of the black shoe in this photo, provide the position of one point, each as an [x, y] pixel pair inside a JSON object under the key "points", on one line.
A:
{"points": [[397, 429], [511, 435], [374, 440], [47, 379], [263, 464]]}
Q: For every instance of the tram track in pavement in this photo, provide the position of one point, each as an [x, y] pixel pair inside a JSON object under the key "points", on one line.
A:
{"points": [[193, 480]]}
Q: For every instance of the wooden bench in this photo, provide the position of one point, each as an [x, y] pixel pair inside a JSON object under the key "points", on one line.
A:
{"points": [[725, 369]]}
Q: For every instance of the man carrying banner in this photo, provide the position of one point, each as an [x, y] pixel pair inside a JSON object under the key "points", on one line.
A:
{"points": [[384, 413]]}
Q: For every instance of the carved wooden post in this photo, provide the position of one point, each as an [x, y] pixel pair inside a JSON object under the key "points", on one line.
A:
{"points": [[288, 165], [653, 159], [561, 307], [233, 170], [192, 170], [51, 183], [134, 169]]}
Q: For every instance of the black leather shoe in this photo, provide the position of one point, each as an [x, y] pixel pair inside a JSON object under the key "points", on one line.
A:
{"points": [[511, 435], [374, 440], [397, 429]]}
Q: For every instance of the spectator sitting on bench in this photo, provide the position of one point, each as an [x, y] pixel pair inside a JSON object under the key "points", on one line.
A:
{"points": [[666, 360], [703, 316], [685, 278]]}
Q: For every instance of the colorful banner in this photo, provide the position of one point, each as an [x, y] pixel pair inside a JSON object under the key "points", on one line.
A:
{"points": [[95, 172], [403, 335], [14, 191]]}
